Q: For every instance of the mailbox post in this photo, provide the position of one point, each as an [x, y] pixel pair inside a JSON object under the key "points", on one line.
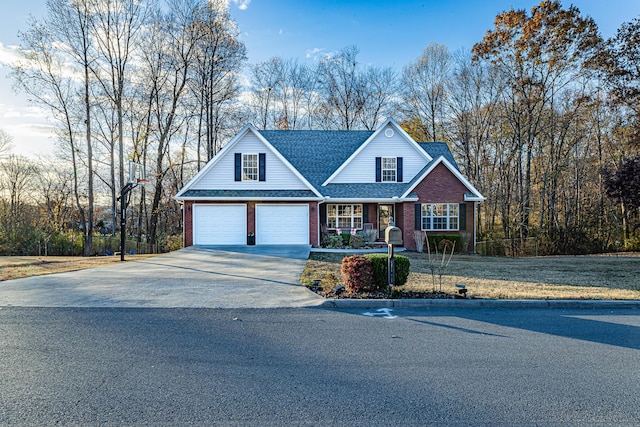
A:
{"points": [[392, 236]]}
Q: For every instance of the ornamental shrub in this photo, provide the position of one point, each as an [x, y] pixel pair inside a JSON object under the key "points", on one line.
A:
{"points": [[345, 238], [356, 241], [332, 241], [357, 273], [380, 271], [438, 238]]}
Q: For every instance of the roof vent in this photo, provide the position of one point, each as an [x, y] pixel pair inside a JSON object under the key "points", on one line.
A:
{"points": [[388, 132]]}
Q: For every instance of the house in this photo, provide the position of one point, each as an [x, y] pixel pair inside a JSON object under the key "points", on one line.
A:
{"points": [[291, 186]]}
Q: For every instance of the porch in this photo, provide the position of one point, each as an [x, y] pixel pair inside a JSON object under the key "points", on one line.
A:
{"points": [[337, 218]]}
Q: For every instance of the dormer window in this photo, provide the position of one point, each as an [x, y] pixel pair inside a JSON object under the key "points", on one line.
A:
{"points": [[388, 169], [249, 167]]}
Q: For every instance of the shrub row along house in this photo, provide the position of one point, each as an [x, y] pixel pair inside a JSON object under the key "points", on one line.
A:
{"points": [[276, 187]]}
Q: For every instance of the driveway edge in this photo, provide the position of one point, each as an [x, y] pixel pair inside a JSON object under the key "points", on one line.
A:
{"points": [[477, 303]]}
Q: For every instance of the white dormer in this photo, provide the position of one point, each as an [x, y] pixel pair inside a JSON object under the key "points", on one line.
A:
{"points": [[389, 155]]}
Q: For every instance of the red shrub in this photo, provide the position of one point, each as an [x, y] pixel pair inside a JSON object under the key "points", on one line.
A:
{"points": [[357, 273]]}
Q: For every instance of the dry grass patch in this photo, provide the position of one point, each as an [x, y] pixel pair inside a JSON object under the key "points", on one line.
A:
{"points": [[558, 277], [16, 267]]}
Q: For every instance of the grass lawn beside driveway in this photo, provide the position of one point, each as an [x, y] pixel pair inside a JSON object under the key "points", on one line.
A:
{"points": [[553, 277], [17, 267]]}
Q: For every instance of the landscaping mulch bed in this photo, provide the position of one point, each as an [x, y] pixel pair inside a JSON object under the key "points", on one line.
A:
{"points": [[342, 294]]}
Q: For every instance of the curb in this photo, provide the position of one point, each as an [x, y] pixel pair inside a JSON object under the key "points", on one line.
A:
{"points": [[477, 303]]}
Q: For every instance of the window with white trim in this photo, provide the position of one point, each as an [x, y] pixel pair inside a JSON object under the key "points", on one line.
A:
{"points": [[344, 216], [389, 169], [440, 216], [249, 167]]}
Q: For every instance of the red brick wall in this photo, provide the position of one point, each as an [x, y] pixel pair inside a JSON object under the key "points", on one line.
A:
{"points": [[440, 186], [187, 236], [314, 213], [251, 217]]}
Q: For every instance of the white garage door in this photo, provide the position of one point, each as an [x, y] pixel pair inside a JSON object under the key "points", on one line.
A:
{"points": [[220, 225], [282, 224]]}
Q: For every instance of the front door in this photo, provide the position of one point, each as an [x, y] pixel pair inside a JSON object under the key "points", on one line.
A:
{"points": [[385, 215]]}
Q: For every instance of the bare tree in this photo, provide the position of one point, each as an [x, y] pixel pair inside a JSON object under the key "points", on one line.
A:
{"points": [[16, 178], [425, 94], [219, 55], [47, 74], [342, 88], [267, 80], [380, 96], [5, 143], [169, 55]]}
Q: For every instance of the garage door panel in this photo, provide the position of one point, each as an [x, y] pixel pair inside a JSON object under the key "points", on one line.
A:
{"points": [[219, 224], [282, 224]]}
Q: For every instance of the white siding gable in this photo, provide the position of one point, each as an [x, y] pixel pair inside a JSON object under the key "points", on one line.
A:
{"points": [[362, 168], [221, 176]]}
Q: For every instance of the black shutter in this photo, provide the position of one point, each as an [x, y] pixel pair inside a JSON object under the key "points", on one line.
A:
{"points": [[365, 213], [418, 215], [399, 167], [238, 166], [262, 167], [462, 216], [378, 169]]}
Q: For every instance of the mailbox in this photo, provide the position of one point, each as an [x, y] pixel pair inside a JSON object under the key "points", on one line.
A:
{"points": [[393, 236]]}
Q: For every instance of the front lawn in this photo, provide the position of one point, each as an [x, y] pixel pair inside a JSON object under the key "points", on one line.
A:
{"points": [[557, 277]]}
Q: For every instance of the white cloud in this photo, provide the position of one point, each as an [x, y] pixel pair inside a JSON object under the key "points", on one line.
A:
{"points": [[314, 53], [9, 55], [242, 4]]}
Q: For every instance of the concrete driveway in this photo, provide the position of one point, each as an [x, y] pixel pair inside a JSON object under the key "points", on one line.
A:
{"points": [[207, 277]]}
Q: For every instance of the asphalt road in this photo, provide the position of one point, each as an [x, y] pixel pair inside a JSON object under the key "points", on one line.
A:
{"points": [[314, 366]]}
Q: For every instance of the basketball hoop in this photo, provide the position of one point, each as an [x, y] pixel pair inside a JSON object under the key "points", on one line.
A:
{"points": [[136, 172], [143, 182], [137, 176]]}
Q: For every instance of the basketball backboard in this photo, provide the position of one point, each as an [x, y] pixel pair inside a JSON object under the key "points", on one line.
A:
{"points": [[136, 172]]}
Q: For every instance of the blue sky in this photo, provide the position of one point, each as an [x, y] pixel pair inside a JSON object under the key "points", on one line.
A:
{"points": [[388, 33]]}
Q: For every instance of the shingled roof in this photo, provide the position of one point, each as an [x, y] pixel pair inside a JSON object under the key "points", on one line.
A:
{"points": [[316, 154]]}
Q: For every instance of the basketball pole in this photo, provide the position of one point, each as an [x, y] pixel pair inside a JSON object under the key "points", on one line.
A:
{"points": [[123, 215]]}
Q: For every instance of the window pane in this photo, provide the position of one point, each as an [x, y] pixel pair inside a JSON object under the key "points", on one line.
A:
{"points": [[439, 223], [426, 223], [439, 209], [344, 222], [453, 209], [249, 167], [331, 210], [388, 169], [453, 223]]}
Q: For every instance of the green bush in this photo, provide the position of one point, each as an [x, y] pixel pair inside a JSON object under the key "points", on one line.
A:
{"points": [[356, 241], [332, 241], [174, 242], [345, 238], [380, 271], [357, 273]]}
